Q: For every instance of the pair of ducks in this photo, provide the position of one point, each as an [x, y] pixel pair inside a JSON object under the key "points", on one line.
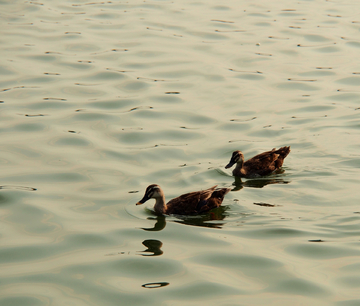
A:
{"points": [[199, 202]]}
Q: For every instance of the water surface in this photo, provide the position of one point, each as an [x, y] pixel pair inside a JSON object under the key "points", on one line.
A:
{"points": [[100, 99]]}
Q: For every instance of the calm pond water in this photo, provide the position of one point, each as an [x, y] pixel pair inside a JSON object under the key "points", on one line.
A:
{"points": [[100, 99]]}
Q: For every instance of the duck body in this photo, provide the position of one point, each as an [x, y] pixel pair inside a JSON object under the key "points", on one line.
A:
{"points": [[192, 203], [259, 165]]}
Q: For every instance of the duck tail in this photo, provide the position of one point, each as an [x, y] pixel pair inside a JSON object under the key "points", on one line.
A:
{"points": [[283, 152]]}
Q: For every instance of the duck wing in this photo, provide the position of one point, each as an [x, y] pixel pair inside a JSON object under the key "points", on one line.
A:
{"points": [[214, 201], [266, 162], [261, 164], [187, 204]]}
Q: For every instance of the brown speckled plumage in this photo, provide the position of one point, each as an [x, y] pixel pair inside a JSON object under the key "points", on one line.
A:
{"points": [[260, 165], [196, 202]]}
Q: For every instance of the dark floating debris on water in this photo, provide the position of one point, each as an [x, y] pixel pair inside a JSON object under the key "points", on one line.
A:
{"points": [[152, 29], [70, 131], [316, 240], [115, 50], [172, 92], [265, 204], [51, 73], [155, 285], [38, 115], [36, 3], [282, 38], [130, 128], [245, 71], [21, 23], [138, 108], [23, 86], [347, 90], [245, 140], [316, 46], [111, 50], [53, 22], [19, 87], [82, 84], [18, 188], [264, 54], [301, 80], [294, 117], [122, 71], [164, 145], [153, 80], [133, 191], [79, 13], [92, 3], [345, 38], [57, 99], [238, 120], [223, 21], [188, 128], [229, 31]]}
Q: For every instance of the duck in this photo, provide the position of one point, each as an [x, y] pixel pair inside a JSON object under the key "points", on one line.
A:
{"points": [[193, 203], [260, 165]]}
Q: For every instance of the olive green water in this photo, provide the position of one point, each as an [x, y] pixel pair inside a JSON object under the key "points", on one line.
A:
{"points": [[101, 99]]}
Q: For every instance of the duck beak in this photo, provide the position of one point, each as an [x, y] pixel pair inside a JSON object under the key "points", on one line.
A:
{"points": [[230, 164], [143, 200], [227, 190]]}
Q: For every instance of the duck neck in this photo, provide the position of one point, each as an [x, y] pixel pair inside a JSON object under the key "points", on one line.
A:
{"points": [[238, 169], [160, 206]]}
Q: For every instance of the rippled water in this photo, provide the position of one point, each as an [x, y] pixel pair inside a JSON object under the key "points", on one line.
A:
{"points": [[101, 99]]}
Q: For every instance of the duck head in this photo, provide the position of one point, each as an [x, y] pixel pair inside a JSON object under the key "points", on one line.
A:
{"points": [[152, 192], [236, 158], [220, 193]]}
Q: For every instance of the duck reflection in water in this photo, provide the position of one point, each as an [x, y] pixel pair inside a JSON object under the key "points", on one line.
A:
{"points": [[211, 219], [159, 224], [153, 247], [258, 182]]}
